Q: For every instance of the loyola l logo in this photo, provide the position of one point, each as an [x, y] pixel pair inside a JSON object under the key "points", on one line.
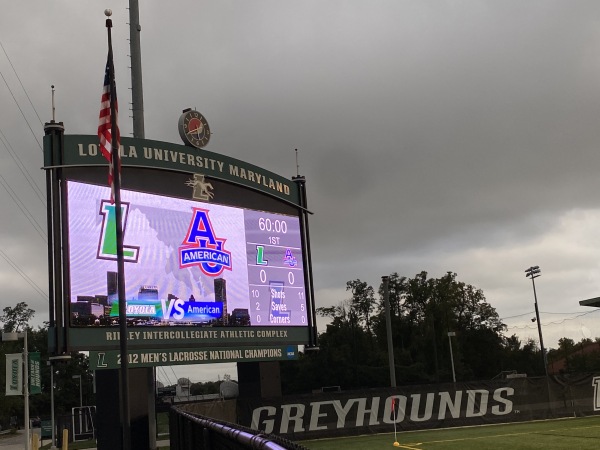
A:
{"points": [[107, 247]]}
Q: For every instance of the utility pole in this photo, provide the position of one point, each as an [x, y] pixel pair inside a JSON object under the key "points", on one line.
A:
{"points": [[137, 94], [388, 322]]}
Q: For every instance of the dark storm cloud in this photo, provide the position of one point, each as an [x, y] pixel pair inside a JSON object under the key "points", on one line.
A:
{"points": [[434, 135]]}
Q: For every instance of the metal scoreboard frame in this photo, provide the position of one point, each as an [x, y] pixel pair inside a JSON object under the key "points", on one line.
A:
{"points": [[245, 227]]}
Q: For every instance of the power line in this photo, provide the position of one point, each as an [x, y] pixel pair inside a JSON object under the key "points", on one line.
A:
{"points": [[518, 315], [15, 157], [22, 87], [24, 275], [22, 113], [30, 218], [556, 322], [27, 176], [166, 376], [174, 374]]}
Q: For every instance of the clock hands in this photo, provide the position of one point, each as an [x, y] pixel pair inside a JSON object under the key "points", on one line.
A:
{"points": [[196, 130]]}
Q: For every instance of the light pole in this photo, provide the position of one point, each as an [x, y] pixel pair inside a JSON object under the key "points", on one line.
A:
{"points": [[80, 390], [534, 272], [450, 334], [14, 337]]}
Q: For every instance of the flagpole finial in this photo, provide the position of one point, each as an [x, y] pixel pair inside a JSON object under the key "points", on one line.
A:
{"points": [[108, 13]]}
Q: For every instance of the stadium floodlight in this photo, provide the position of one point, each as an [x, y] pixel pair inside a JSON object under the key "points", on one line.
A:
{"points": [[533, 272]]}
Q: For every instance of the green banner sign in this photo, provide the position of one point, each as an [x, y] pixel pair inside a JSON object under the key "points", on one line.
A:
{"points": [[111, 359], [35, 379], [185, 337], [14, 374]]}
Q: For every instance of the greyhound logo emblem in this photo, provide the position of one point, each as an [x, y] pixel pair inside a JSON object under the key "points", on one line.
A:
{"points": [[202, 189]]}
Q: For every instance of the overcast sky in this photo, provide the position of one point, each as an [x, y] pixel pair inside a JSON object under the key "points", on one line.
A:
{"points": [[434, 135]]}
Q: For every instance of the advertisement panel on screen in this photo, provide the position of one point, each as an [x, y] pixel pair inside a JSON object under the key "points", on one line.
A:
{"points": [[187, 263]]}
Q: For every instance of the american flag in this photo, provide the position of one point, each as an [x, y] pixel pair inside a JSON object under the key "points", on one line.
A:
{"points": [[105, 128]]}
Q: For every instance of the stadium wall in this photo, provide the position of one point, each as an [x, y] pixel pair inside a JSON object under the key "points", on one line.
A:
{"points": [[422, 407]]}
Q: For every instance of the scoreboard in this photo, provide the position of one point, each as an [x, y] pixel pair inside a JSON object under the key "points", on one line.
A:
{"points": [[216, 253], [188, 262]]}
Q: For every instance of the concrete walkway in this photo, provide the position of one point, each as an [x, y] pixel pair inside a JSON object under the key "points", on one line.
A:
{"points": [[159, 444], [17, 441], [13, 441]]}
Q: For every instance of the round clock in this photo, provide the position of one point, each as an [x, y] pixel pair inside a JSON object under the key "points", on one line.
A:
{"points": [[193, 129]]}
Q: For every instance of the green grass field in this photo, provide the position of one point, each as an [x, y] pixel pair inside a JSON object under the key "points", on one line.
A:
{"points": [[580, 434]]}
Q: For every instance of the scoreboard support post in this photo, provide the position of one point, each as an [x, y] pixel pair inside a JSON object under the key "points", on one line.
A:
{"points": [[259, 379], [141, 408], [57, 332]]}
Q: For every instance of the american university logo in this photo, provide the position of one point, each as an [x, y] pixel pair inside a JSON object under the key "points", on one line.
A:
{"points": [[107, 247], [202, 248], [290, 259]]}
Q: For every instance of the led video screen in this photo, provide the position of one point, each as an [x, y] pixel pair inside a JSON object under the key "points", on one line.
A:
{"points": [[187, 262]]}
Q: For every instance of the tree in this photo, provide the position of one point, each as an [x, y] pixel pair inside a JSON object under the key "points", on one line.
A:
{"points": [[66, 391], [346, 357], [423, 311], [571, 357], [16, 319], [397, 289], [362, 302]]}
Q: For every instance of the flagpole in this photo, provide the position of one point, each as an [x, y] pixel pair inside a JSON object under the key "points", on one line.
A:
{"points": [[116, 170]]}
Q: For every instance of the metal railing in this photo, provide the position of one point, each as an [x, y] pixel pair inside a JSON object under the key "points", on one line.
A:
{"points": [[194, 432]]}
